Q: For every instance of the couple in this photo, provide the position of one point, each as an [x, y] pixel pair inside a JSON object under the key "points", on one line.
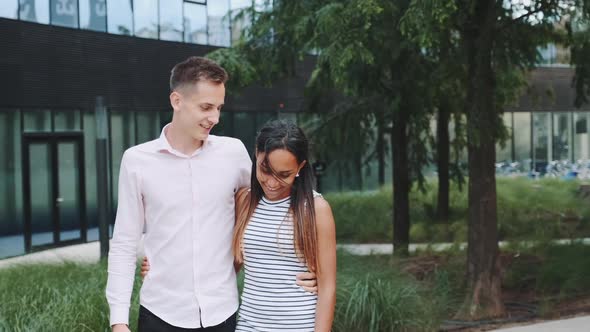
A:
{"points": [[207, 210]]}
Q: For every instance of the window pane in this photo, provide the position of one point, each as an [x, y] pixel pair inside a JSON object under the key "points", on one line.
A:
{"points": [[38, 120], [561, 136], [145, 15], [64, 13], [148, 126], [581, 138], [548, 54], [69, 187], [541, 141], [122, 138], [239, 21], [34, 11], [41, 193], [505, 154], [263, 118], [195, 23], [171, 20], [11, 212], [218, 19], [90, 174], [224, 127], [66, 120], [245, 129], [93, 15], [9, 9], [120, 17], [522, 139]]}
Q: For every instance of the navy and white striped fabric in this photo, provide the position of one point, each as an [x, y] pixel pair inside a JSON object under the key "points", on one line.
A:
{"points": [[271, 301]]}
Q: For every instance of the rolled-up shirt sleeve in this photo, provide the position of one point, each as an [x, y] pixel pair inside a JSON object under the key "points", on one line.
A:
{"points": [[127, 233]]}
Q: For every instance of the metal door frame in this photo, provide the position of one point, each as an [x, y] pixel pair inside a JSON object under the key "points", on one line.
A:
{"points": [[53, 139]]}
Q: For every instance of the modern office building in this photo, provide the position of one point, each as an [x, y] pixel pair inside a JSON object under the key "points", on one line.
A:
{"points": [[58, 57]]}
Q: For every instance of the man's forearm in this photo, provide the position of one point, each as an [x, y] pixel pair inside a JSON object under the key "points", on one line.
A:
{"points": [[121, 276]]}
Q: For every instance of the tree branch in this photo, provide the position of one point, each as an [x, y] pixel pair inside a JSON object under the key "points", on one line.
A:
{"points": [[541, 8]]}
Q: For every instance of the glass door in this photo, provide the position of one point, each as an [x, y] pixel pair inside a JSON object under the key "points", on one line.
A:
{"points": [[54, 193]]}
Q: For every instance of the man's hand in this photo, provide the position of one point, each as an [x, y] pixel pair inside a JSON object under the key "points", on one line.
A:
{"points": [[308, 281], [121, 328], [145, 268]]}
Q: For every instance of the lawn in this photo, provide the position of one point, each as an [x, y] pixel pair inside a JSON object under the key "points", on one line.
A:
{"points": [[375, 293], [527, 210]]}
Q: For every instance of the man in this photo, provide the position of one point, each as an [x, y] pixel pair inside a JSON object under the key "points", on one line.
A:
{"points": [[181, 187]]}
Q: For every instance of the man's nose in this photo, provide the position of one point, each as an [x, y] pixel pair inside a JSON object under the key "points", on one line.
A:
{"points": [[214, 119]]}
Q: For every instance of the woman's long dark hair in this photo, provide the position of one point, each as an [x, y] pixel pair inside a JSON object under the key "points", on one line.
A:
{"points": [[284, 135]]}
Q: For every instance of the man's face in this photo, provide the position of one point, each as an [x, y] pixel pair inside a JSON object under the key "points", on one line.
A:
{"points": [[197, 107]]}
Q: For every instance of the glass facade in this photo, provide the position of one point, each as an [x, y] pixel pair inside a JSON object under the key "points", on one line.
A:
{"points": [[62, 171], [540, 139], [189, 21], [48, 175]]}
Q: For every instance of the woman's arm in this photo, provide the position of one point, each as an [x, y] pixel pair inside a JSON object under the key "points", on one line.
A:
{"points": [[326, 231], [241, 208]]}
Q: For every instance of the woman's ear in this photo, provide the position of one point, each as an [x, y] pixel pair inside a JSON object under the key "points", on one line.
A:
{"points": [[301, 166]]}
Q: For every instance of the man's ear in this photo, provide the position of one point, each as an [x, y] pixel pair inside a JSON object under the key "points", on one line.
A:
{"points": [[175, 100]]}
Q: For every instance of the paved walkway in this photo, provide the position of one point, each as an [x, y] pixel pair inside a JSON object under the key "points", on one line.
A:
{"points": [[90, 252], [578, 324], [80, 253]]}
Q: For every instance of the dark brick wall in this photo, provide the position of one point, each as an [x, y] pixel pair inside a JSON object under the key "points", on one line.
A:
{"points": [[54, 67]]}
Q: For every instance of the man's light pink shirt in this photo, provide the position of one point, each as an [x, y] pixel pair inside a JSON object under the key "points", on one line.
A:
{"points": [[187, 206]]}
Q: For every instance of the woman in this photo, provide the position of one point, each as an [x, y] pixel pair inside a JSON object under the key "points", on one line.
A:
{"points": [[282, 228]]}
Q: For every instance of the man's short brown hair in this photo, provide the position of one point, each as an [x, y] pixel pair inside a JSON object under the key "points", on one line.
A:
{"points": [[195, 69]]}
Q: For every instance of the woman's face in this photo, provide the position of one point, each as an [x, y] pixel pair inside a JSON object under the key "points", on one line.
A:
{"points": [[276, 178]]}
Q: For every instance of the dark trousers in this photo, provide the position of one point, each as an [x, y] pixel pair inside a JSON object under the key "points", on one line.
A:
{"points": [[148, 322]]}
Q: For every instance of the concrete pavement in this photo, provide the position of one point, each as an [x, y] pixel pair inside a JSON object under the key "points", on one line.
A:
{"points": [[577, 324]]}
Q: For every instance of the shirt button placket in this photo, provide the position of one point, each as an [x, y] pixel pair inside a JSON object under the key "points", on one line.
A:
{"points": [[195, 229]]}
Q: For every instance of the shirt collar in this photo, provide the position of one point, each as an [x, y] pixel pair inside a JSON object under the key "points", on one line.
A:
{"points": [[164, 144]]}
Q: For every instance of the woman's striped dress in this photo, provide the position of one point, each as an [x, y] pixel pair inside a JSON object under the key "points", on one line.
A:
{"points": [[271, 301]]}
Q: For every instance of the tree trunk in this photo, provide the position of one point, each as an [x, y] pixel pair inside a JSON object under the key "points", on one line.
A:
{"points": [[442, 161], [381, 149], [483, 270], [401, 183]]}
